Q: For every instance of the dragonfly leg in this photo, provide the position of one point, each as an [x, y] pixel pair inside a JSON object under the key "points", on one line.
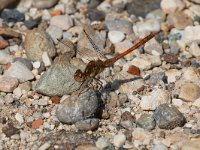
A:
{"points": [[99, 82]]}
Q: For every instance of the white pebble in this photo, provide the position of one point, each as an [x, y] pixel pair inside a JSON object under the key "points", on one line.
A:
{"points": [[19, 118], [116, 36], [46, 59], [36, 64], [44, 146], [119, 140]]}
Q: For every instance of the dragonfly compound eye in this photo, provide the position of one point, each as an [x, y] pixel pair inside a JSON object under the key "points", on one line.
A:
{"points": [[79, 76]]}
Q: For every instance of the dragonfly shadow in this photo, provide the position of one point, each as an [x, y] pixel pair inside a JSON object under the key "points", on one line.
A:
{"points": [[112, 86]]}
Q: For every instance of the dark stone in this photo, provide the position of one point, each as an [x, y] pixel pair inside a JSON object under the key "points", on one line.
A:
{"points": [[96, 15], [30, 24], [12, 15], [10, 130], [94, 3], [168, 117], [146, 121], [141, 8], [88, 124], [67, 140], [170, 58]]}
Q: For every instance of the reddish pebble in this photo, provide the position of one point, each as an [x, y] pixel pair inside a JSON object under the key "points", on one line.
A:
{"points": [[134, 70], [56, 12], [3, 43], [55, 99], [37, 123]]}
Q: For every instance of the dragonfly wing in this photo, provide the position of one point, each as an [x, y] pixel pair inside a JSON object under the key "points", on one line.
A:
{"points": [[92, 43]]}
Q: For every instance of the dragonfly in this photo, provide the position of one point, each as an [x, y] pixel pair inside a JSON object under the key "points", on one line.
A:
{"points": [[95, 67]]}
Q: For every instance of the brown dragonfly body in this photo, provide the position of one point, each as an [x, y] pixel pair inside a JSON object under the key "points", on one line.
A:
{"points": [[93, 68]]}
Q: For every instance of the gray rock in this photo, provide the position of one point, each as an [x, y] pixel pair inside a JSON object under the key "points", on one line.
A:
{"points": [[36, 42], [146, 121], [62, 21], [19, 71], [59, 78], [104, 144], [160, 146], [76, 108], [55, 32], [88, 124], [5, 58], [157, 77], [168, 117], [24, 61], [42, 4], [120, 25]]}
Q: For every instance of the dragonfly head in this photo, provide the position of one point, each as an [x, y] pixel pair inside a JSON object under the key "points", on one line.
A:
{"points": [[79, 76]]}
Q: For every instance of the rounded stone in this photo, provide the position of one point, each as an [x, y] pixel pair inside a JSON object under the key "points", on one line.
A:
{"points": [[116, 36], [77, 108]]}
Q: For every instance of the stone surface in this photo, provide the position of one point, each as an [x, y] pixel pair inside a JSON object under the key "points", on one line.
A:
{"points": [[24, 61], [170, 58], [60, 73], [192, 144], [36, 42], [168, 117], [37, 123], [19, 71], [8, 84], [170, 6], [88, 124], [179, 20], [119, 140], [160, 147], [46, 59], [116, 36], [10, 130], [194, 49], [5, 58], [12, 15], [191, 74], [146, 121], [146, 62], [189, 92], [153, 47], [76, 108], [154, 99], [103, 143], [156, 78], [173, 75], [149, 25], [64, 22], [42, 4], [55, 33], [119, 25]]}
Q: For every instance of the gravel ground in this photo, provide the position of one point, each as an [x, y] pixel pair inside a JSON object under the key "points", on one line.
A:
{"points": [[149, 99]]}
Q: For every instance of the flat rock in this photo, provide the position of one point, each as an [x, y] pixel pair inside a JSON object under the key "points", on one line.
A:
{"points": [[124, 26], [88, 124], [170, 6], [8, 84], [24, 61], [64, 22], [146, 62], [189, 92], [42, 4], [5, 58], [191, 74], [77, 108], [19, 71], [149, 25], [154, 99], [168, 117], [60, 73], [119, 140], [36, 42], [153, 47]]}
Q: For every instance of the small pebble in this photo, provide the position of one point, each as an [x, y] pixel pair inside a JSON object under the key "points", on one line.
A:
{"points": [[170, 6], [64, 22], [46, 59], [19, 118], [103, 143], [37, 123], [119, 140], [116, 36], [146, 121], [8, 84]]}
